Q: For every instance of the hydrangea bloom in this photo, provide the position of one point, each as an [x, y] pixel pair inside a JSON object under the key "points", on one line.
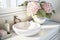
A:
{"points": [[47, 7], [33, 7]]}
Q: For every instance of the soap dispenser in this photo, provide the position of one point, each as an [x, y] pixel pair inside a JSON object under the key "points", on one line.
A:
{"points": [[7, 26]]}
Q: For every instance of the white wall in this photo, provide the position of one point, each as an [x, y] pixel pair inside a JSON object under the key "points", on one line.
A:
{"points": [[9, 13], [13, 3]]}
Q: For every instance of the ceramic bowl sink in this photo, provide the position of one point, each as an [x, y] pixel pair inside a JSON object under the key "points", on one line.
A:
{"points": [[26, 28]]}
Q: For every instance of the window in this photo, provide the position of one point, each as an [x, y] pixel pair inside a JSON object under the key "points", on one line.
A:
{"points": [[10, 3], [7, 3], [3, 3]]}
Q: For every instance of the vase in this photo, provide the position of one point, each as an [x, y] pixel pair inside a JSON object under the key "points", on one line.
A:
{"points": [[39, 20]]}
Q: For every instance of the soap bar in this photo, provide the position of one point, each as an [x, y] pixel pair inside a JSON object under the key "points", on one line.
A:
{"points": [[3, 32]]}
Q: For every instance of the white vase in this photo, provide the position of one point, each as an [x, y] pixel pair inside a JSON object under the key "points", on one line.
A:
{"points": [[39, 20]]}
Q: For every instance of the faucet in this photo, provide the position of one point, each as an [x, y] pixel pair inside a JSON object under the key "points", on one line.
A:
{"points": [[16, 20]]}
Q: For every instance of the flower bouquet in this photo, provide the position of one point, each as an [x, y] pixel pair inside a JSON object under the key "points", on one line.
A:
{"points": [[42, 9], [37, 10]]}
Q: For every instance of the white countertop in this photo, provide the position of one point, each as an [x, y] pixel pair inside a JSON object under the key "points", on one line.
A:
{"points": [[46, 33]]}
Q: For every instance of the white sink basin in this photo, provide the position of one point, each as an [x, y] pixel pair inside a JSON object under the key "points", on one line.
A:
{"points": [[26, 28]]}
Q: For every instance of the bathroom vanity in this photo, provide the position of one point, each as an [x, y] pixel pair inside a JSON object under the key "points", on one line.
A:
{"points": [[49, 31]]}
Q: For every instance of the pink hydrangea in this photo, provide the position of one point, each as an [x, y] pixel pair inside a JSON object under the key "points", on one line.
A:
{"points": [[33, 7], [47, 7]]}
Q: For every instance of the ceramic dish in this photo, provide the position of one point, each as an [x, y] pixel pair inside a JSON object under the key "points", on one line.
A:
{"points": [[7, 36]]}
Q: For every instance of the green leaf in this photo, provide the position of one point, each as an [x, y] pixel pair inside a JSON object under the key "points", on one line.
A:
{"points": [[24, 4], [41, 13], [48, 15], [53, 11], [43, 1]]}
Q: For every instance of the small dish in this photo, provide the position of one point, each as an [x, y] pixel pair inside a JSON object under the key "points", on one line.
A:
{"points": [[7, 36]]}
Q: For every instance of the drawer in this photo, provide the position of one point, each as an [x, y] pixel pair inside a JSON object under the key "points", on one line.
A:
{"points": [[56, 37]]}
